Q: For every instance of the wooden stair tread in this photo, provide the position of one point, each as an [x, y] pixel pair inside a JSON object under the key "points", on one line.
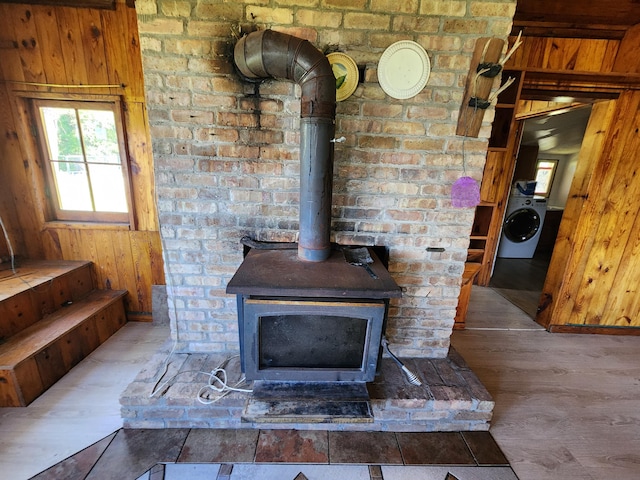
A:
{"points": [[43, 333], [34, 273], [51, 317]]}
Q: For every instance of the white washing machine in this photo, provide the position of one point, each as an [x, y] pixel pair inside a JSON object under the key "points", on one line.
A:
{"points": [[522, 226]]}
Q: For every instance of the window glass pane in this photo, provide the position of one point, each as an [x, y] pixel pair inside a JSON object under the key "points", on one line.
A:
{"points": [[543, 164], [87, 174], [108, 188], [63, 137], [99, 135], [73, 186], [544, 177]]}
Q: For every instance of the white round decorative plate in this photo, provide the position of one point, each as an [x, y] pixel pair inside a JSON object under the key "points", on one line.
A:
{"points": [[346, 72], [403, 69]]}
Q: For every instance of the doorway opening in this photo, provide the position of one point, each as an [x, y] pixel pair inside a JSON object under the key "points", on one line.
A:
{"points": [[552, 133]]}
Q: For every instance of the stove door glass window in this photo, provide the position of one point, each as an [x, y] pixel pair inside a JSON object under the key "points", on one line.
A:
{"points": [[312, 341]]}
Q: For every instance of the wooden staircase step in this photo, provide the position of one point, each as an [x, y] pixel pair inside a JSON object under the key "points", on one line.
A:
{"points": [[39, 288], [36, 357]]}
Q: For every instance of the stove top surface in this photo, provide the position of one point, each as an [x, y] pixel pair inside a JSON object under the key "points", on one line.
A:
{"points": [[281, 273]]}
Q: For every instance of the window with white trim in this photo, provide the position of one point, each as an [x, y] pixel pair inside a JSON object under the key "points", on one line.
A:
{"points": [[545, 171], [86, 171]]}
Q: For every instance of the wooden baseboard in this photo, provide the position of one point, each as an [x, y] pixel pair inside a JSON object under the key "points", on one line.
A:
{"points": [[140, 316], [630, 331]]}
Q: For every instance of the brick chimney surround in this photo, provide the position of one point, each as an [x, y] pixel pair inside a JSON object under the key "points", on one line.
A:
{"points": [[226, 153]]}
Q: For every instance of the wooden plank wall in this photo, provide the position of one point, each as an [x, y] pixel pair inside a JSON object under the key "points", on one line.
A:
{"points": [[73, 46], [566, 54], [600, 287], [9, 171]]}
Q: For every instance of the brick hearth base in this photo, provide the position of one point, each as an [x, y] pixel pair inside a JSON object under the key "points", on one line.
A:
{"points": [[450, 399]]}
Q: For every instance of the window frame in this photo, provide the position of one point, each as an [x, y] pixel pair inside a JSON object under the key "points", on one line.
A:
{"points": [[95, 102], [553, 169]]}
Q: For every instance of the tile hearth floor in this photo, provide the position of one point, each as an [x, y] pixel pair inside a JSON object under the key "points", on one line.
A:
{"points": [[170, 454]]}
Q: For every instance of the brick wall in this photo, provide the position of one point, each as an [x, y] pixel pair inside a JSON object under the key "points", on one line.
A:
{"points": [[226, 152]]}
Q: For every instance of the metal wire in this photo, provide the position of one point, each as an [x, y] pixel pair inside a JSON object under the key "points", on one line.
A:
{"points": [[412, 377]]}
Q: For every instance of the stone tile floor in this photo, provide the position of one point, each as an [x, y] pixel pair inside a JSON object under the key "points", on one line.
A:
{"points": [[228, 454]]}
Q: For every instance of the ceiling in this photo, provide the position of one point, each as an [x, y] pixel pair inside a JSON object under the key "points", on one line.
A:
{"points": [[558, 134], [583, 19], [562, 133]]}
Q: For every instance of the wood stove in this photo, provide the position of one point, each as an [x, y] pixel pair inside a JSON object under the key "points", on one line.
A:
{"points": [[306, 314], [310, 321]]}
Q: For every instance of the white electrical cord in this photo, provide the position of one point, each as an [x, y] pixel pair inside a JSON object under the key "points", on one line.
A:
{"points": [[6, 236], [13, 263], [165, 369], [217, 382], [411, 377]]}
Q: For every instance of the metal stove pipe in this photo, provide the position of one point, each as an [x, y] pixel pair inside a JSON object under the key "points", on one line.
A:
{"points": [[270, 54]]}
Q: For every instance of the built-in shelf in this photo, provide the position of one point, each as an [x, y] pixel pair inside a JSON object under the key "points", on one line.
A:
{"points": [[501, 127], [482, 221], [475, 255], [485, 232]]}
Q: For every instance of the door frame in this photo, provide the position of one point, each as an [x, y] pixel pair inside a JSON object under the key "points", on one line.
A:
{"points": [[559, 274]]}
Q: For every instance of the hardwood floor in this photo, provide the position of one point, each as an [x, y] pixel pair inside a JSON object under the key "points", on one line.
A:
{"points": [[566, 405], [520, 273], [520, 280], [80, 409]]}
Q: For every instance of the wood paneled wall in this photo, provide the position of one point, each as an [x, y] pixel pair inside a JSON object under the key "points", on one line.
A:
{"points": [[595, 271], [579, 63], [569, 54], [68, 46]]}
